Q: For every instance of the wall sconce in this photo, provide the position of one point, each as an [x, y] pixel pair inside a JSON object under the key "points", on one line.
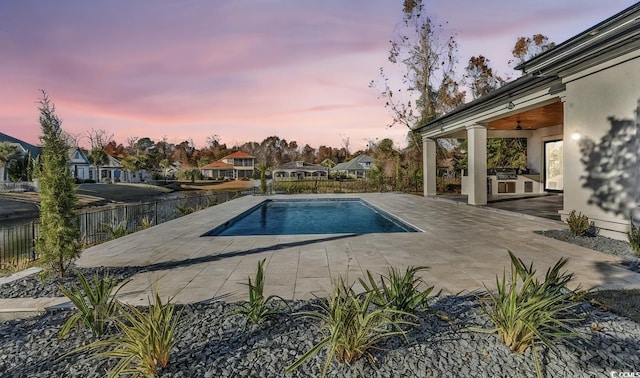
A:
{"points": [[576, 136], [511, 105]]}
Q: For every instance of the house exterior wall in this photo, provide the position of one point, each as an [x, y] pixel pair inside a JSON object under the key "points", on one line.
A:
{"points": [[601, 108], [135, 177], [242, 167]]}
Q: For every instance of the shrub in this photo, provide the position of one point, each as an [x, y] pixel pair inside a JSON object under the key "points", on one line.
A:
{"points": [[94, 302], [399, 291], [352, 326], [115, 231], [257, 309], [527, 312], [182, 211], [145, 341], [634, 238], [578, 224], [146, 223]]}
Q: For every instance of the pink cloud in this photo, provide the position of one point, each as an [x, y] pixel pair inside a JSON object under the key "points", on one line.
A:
{"points": [[241, 70]]}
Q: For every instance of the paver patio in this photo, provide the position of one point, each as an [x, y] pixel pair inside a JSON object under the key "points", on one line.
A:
{"points": [[464, 246]]}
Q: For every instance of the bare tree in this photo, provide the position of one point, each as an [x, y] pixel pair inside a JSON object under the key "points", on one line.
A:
{"points": [[99, 138], [346, 144], [132, 144], [528, 47], [72, 140], [428, 57], [480, 77]]}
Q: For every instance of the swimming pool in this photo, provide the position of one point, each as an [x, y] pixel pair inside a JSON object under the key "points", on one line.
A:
{"points": [[319, 216]]}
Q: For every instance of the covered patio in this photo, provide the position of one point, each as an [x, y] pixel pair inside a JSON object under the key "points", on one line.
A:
{"points": [[528, 109], [578, 107]]}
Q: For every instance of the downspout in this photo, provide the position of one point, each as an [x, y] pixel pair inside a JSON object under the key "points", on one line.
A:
{"points": [[635, 213]]}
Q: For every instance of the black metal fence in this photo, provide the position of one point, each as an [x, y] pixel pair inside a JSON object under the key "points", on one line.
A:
{"points": [[20, 186], [17, 243]]}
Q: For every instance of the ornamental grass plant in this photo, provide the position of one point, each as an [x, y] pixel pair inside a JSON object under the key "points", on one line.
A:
{"points": [[145, 339], [528, 313], [399, 291], [634, 238], [95, 304], [579, 224], [116, 231], [258, 309], [353, 326]]}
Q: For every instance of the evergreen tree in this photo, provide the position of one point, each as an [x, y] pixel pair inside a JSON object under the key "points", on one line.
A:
{"points": [[263, 178], [58, 243]]}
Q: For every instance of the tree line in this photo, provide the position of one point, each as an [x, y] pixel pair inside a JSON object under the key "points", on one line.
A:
{"points": [[425, 53]]}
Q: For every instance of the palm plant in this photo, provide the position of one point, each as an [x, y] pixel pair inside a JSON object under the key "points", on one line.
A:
{"points": [[98, 157], [145, 341], [528, 313], [94, 302], [257, 309], [399, 291], [352, 327]]}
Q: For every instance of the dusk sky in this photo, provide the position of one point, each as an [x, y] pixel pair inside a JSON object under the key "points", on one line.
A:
{"points": [[242, 70]]}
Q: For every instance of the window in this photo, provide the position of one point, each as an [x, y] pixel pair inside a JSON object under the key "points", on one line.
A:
{"points": [[553, 166]]}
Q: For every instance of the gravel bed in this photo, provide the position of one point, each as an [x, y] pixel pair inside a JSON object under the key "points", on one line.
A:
{"points": [[599, 243], [34, 286], [212, 344]]}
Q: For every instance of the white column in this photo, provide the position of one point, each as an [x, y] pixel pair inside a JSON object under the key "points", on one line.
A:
{"points": [[429, 166], [477, 156]]}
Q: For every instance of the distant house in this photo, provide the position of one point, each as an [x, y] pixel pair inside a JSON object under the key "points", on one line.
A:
{"points": [[79, 166], [358, 167], [217, 171], [236, 165], [111, 170], [23, 147], [300, 170]]}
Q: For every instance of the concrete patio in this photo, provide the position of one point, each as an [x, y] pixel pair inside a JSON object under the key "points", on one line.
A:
{"points": [[464, 246]]}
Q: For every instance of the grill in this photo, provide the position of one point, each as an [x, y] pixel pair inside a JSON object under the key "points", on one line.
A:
{"points": [[506, 174]]}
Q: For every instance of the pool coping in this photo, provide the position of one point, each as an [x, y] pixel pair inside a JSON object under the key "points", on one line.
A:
{"points": [[400, 223]]}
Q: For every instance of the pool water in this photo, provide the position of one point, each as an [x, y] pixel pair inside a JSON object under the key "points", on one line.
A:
{"points": [[325, 216]]}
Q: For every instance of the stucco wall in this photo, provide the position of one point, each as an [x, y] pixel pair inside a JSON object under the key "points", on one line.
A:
{"points": [[600, 166]]}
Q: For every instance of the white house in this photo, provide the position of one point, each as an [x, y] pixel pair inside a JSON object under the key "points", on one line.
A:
{"points": [[578, 106], [358, 167], [79, 165], [300, 170], [24, 148]]}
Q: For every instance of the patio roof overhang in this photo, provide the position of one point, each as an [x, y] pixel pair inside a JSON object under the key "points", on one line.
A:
{"points": [[536, 96], [535, 100]]}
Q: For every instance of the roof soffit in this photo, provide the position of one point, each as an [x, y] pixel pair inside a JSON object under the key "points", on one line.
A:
{"points": [[613, 37], [497, 108]]}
